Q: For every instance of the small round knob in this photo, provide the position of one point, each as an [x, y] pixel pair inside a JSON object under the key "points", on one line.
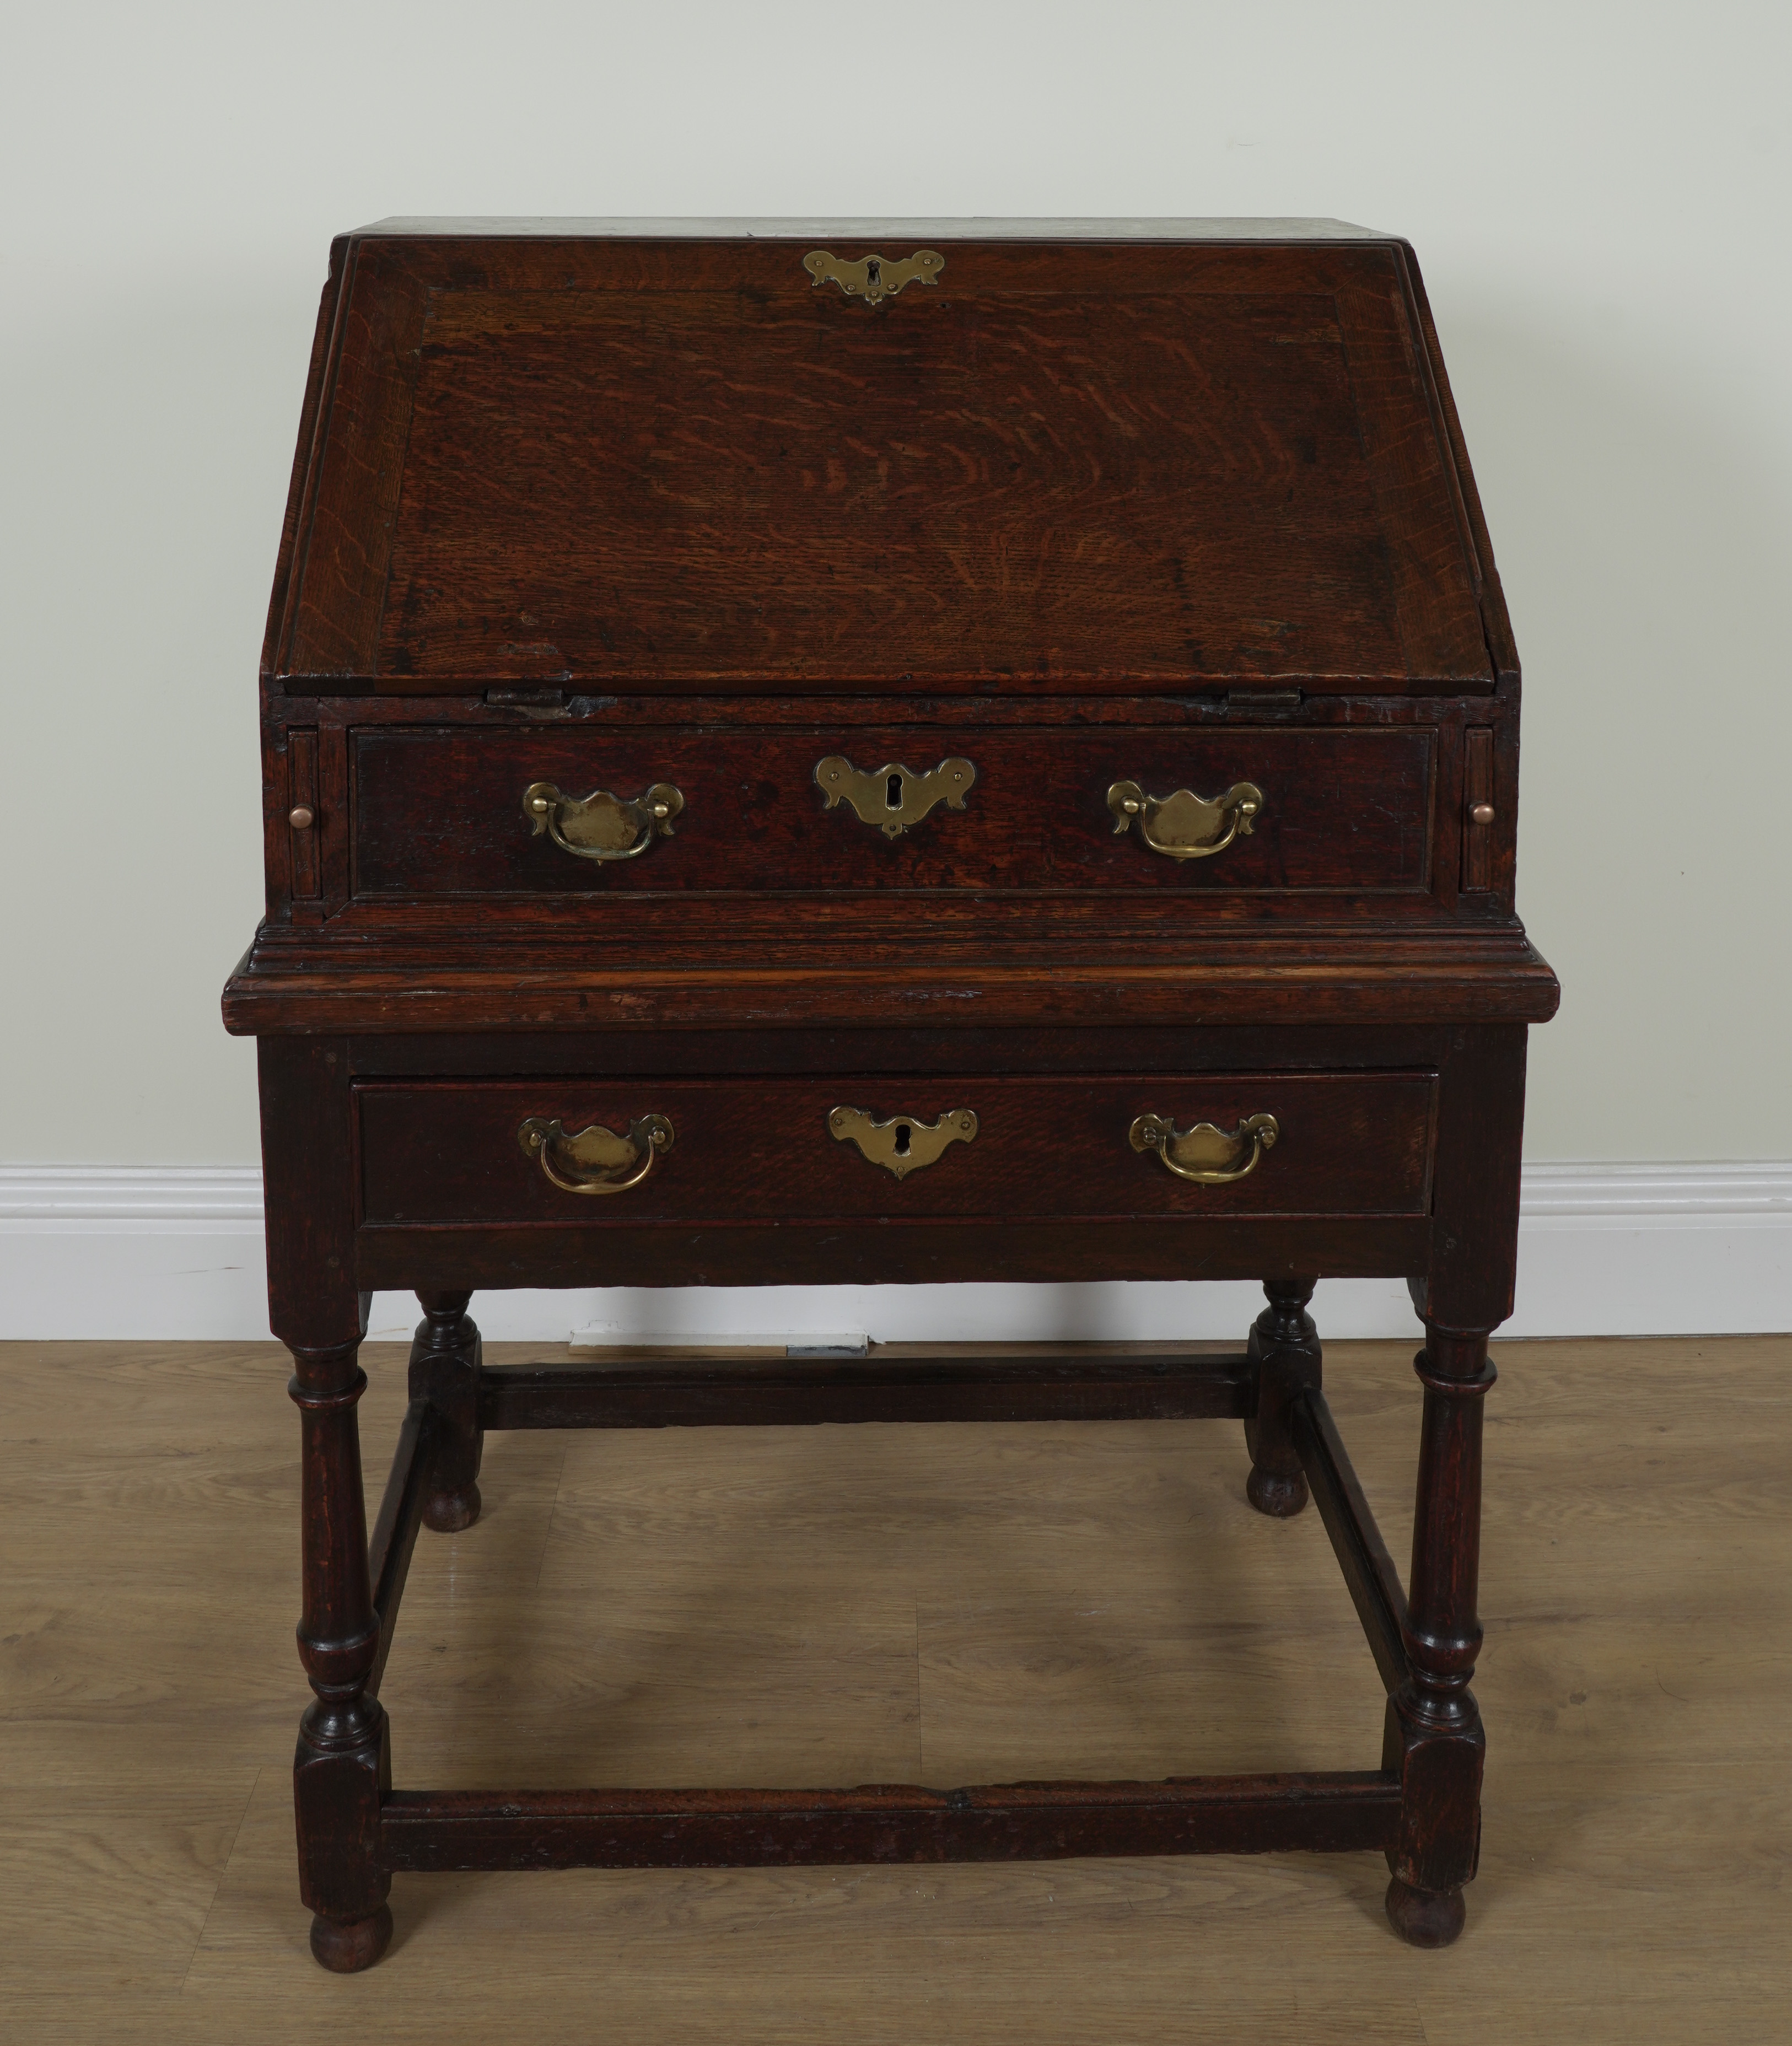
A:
{"points": [[1482, 813], [301, 816]]}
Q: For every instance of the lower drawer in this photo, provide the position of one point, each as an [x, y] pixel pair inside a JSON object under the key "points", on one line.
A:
{"points": [[829, 1150]]}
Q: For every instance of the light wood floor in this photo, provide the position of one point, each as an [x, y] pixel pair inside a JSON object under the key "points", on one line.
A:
{"points": [[941, 1605]]}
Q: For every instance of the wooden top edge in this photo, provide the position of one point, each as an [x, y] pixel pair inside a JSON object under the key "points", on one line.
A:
{"points": [[965, 228], [672, 688], [268, 996]]}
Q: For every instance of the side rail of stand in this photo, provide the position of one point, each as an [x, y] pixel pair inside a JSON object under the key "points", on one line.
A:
{"points": [[421, 1830]]}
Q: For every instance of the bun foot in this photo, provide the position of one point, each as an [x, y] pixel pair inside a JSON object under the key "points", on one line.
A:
{"points": [[346, 1949], [1271, 1492], [450, 1512], [1425, 1917]]}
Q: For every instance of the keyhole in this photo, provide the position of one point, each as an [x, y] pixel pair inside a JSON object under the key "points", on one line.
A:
{"points": [[893, 792], [873, 274], [901, 1139]]}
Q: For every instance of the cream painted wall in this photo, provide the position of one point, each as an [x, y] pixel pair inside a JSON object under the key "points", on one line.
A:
{"points": [[1598, 196]]}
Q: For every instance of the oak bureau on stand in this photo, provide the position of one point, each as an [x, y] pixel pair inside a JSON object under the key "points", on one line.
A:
{"points": [[832, 753]]}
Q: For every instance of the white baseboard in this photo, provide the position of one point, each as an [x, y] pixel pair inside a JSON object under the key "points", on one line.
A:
{"points": [[174, 1252]]}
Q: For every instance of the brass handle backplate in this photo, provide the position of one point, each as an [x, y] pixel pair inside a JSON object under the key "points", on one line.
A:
{"points": [[894, 798], [595, 1160], [902, 1145], [602, 826], [1185, 826], [873, 278], [1206, 1154]]}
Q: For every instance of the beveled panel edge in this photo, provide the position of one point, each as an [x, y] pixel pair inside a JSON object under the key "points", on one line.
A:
{"points": [[1502, 648]]}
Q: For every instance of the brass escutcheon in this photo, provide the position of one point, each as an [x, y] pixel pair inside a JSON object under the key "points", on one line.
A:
{"points": [[1185, 826], [595, 1160], [602, 826], [872, 278], [1206, 1153], [894, 798], [902, 1145]]}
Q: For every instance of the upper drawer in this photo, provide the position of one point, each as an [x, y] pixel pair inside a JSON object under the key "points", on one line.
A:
{"points": [[442, 812]]}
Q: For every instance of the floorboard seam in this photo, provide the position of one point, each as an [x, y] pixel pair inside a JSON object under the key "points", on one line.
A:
{"points": [[230, 1855], [921, 1724], [553, 1510]]}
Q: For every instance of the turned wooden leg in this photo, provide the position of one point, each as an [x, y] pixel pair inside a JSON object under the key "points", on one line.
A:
{"points": [[343, 1762], [1434, 1739], [445, 1371], [1284, 1347]]}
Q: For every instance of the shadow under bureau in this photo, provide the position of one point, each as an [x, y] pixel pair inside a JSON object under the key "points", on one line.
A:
{"points": [[881, 754]]}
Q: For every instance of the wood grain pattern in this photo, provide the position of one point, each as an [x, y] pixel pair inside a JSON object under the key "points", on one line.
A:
{"points": [[610, 511], [341, 550], [900, 1047], [740, 972], [304, 461], [1496, 619], [763, 1150], [1343, 812], [907, 1382], [1478, 787], [1374, 1582], [519, 1829], [1370, 807], [1088, 1598], [302, 791], [887, 1251], [1222, 459]]}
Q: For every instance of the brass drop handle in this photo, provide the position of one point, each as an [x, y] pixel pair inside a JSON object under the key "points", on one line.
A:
{"points": [[1185, 826], [595, 1160], [1206, 1154], [602, 826]]}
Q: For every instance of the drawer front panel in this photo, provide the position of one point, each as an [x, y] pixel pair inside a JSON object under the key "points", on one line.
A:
{"points": [[757, 1151], [441, 813]]}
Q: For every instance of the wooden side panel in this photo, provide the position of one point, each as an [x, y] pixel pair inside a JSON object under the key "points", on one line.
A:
{"points": [[1473, 1266], [346, 545], [1477, 790], [307, 1165], [1409, 472], [1495, 621], [297, 505], [302, 798]]}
